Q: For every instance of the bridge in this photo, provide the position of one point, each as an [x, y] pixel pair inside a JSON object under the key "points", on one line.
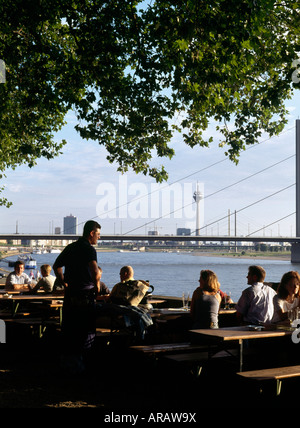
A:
{"points": [[134, 238], [294, 241]]}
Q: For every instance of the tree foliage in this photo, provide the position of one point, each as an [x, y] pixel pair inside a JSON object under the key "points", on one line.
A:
{"points": [[135, 73]]}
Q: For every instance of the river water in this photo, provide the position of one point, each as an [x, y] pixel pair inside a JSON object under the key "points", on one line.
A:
{"points": [[171, 274]]}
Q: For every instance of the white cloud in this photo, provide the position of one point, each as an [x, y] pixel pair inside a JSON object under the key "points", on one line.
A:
{"points": [[15, 188]]}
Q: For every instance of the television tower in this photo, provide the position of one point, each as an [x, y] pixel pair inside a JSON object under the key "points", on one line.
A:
{"points": [[197, 198]]}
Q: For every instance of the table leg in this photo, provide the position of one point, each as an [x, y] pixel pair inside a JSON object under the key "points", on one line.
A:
{"points": [[278, 386], [241, 354], [15, 306]]}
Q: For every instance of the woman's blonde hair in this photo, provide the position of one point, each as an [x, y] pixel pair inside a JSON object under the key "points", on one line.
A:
{"points": [[210, 280]]}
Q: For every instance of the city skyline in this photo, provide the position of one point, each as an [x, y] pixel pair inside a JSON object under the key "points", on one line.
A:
{"points": [[72, 183]]}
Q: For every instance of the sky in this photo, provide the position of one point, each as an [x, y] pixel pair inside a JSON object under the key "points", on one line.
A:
{"points": [[82, 183]]}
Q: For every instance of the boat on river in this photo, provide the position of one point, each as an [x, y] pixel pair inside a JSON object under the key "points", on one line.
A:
{"points": [[29, 262], [54, 251]]}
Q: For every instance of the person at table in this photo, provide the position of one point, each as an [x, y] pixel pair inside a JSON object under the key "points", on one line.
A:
{"points": [[288, 296], [128, 292], [255, 306], [206, 301], [18, 279], [46, 283], [76, 269], [104, 290]]}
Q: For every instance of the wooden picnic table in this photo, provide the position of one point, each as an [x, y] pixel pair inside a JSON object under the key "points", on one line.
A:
{"points": [[16, 297], [240, 334], [183, 312], [169, 311], [275, 373], [155, 300]]}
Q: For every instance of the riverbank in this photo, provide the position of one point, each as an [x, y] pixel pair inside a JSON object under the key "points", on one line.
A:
{"points": [[263, 255], [256, 255]]}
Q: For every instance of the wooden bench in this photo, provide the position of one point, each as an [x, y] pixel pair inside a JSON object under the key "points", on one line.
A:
{"points": [[194, 361], [40, 323], [112, 336], [102, 331], [166, 348], [277, 374]]}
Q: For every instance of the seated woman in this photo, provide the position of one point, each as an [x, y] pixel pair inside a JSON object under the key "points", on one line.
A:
{"points": [[206, 301], [287, 297]]}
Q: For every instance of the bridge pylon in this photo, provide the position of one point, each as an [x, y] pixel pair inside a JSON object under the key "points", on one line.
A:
{"points": [[295, 250]]}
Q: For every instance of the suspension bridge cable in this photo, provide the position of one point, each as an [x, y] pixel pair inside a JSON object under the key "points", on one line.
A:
{"points": [[244, 208], [211, 194], [249, 176], [188, 176], [226, 159], [268, 225], [193, 173]]}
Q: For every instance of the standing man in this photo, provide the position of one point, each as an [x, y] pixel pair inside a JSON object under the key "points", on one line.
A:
{"points": [[81, 280], [255, 305]]}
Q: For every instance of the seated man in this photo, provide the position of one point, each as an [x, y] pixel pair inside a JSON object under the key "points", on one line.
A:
{"points": [[128, 292], [18, 279], [104, 290], [46, 282], [255, 305], [122, 309]]}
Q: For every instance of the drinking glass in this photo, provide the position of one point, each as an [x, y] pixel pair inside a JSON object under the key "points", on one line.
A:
{"points": [[227, 299], [291, 315], [185, 301]]}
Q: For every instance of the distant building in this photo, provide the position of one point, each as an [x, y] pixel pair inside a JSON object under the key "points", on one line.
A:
{"points": [[182, 231], [57, 231], [153, 233], [70, 225]]}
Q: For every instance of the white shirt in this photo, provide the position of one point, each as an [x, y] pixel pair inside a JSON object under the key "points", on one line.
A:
{"points": [[284, 306], [46, 283], [13, 278], [256, 303]]}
